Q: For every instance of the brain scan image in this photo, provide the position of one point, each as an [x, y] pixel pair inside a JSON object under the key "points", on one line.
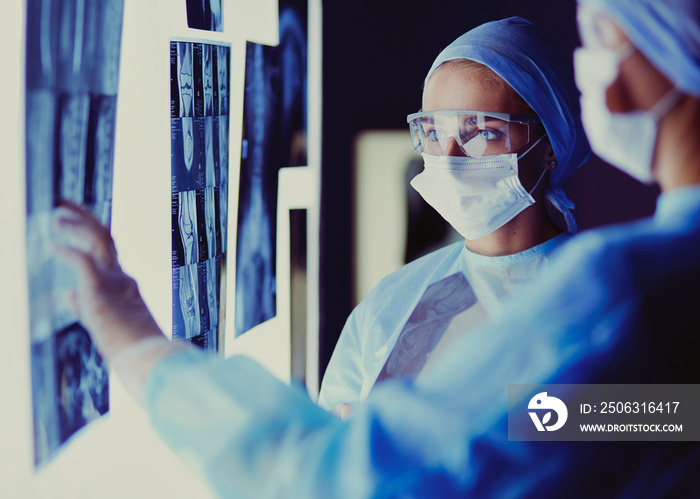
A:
{"points": [[81, 380]]}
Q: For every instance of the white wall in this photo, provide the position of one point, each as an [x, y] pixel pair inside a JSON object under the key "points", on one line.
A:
{"points": [[380, 204], [15, 390], [119, 456]]}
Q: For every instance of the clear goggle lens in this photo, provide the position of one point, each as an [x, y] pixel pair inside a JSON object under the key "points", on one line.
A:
{"points": [[475, 133]]}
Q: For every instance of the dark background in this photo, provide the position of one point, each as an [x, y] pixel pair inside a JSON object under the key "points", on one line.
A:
{"points": [[375, 57]]}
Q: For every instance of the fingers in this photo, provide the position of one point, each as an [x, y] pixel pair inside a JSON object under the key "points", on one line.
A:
{"points": [[78, 229], [70, 210], [343, 411], [80, 261], [71, 205]]}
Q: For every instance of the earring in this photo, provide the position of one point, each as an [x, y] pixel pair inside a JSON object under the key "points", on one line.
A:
{"points": [[553, 164]]}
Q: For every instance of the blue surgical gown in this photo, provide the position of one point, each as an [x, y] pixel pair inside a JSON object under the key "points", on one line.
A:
{"points": [[616, 305], [374, 326]]}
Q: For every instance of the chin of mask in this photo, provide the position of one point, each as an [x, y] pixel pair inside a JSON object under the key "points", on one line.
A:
{"points": [[475, 195], [625, 140]]}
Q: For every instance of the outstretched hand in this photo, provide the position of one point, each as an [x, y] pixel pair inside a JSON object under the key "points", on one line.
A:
{"points": [[107, 301], [343, 411]]}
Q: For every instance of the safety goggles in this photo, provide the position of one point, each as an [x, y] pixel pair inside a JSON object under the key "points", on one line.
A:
{"points": [[476, 133]]}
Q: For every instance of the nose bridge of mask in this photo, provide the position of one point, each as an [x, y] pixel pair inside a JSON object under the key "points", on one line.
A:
{"points": [[471, 161]]}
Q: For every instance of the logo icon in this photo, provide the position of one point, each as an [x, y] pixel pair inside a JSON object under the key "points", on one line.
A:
{"points": [[542, 401]]}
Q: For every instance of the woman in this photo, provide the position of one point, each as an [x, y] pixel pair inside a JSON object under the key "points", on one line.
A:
{"points": [[499, 133]]}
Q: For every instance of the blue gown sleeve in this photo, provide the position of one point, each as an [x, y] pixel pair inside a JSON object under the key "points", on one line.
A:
{"points": [[250, 435]]}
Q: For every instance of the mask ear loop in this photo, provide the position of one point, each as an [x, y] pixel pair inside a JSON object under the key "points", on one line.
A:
{"points": [[544, 170], [521, 156], [666, 103]]}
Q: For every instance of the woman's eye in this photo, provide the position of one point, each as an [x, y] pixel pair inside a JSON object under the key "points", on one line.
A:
{"points": [[432, 135], [488, 134]]}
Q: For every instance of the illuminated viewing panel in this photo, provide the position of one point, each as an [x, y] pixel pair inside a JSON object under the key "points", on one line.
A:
{"points": [[274, 136], [72, 69], [199, 117]]}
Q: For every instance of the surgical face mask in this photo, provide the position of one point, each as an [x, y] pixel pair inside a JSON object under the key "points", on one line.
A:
{"points": [[626, 140], [475, 195]]}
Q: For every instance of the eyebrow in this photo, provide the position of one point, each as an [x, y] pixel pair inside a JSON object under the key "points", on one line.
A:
{"points": [[472, 119]]}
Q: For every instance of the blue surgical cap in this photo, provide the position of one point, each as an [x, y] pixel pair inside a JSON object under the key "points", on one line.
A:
{"points": [[517, 51], [666, 31]]}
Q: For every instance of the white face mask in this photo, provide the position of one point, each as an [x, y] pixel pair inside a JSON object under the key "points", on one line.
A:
{"points": [[626, 140], [475, 195]]}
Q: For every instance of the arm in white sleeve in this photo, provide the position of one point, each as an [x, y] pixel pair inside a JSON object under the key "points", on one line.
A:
{"points": [[345, 374]]}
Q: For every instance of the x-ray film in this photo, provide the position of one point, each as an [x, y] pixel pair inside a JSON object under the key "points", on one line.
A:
{"points": [[187, 318], [72, 69], [274, 136], [99, 152], [70, 387], [205, 14], [181, 80], [187, 155], [199, 77]]}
